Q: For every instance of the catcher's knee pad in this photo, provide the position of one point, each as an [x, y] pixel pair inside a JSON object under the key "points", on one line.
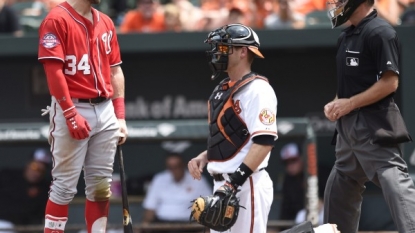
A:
{"points": [[98, 189]]}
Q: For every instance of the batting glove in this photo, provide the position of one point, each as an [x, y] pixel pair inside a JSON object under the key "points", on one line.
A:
{"points": [[77, 125]]}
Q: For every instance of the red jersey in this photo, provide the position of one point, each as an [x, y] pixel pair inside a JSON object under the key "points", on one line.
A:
{"points": [[88, 50]]}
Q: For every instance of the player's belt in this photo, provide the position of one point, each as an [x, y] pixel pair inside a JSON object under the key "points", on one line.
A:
{"points": [[219, 176], [93, 100]]}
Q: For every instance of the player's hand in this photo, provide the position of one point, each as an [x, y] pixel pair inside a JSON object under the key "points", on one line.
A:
{"points": [[225, 189], [328, 111], [123, 131], [197, 164], [77, 125], [338, 108]]}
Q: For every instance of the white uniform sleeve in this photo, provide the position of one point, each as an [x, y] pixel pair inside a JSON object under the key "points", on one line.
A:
{"points": [[259, 108], [151, 200]]}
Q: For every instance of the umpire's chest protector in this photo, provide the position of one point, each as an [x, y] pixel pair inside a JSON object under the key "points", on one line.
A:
{"points": [[228, 133]]}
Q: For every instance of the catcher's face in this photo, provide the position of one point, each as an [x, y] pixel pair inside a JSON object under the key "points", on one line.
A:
{"points": [[239, 53]]}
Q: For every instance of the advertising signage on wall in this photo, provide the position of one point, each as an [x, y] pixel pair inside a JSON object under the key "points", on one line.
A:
{"points": [[167, 107], [196, 129]]}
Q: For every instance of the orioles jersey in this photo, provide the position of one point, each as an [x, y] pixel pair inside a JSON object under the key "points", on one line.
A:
{"points": [[88, 50], [256, 105]]}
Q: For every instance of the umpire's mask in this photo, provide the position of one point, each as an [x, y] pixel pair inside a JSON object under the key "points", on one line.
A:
{"points": [[339, 11]]}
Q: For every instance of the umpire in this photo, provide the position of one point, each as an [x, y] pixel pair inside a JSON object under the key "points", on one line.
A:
{"points": [[369, 126]]}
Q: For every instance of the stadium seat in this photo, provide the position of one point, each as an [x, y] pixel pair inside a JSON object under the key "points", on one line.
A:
{"points": [[19, 7], [317, 19]]}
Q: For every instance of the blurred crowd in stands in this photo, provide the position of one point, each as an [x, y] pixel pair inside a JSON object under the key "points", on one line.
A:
{"points": [[153, 16]]}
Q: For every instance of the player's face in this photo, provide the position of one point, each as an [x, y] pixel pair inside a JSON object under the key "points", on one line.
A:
{"points": [[294, 166], [176, 167], [234, 58], [35, 172]]}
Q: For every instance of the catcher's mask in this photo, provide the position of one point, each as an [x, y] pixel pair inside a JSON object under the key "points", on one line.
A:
{"points": [[339, 11], [222, 42]]}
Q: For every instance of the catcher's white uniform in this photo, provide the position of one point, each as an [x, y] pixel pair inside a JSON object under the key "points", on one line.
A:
{"points": [[258, 107]]}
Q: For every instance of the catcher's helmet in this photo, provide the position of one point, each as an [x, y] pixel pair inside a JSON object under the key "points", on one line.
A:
{"points": [[223, 39], [341, 10]]}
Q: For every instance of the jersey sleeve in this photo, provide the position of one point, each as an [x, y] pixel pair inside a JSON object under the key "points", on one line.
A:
{"points": [[115, 55], [260, 109], [151, 200], [51, 40], [385, 49]]}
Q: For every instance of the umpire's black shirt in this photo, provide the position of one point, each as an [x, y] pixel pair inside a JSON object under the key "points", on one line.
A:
{"points": [[364, 53]]}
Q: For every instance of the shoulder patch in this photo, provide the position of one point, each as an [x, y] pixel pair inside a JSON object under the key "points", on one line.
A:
{"points": [[267, 116], [49, 40]]}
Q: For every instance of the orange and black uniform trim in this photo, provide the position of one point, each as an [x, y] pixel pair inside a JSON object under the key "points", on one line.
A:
{"points": [[228, 133]]}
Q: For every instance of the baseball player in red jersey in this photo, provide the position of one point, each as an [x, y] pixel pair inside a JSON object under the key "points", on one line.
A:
{"points": [[79, 50]]}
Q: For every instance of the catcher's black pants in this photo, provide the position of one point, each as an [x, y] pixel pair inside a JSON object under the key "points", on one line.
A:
{"points": [[359, 161]]}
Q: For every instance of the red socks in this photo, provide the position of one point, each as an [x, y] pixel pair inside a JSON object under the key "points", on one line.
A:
{"points": [[56, 217], [96, 215]]}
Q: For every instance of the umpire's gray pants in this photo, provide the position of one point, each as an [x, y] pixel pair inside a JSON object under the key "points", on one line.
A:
{"points": [[359, 161]]}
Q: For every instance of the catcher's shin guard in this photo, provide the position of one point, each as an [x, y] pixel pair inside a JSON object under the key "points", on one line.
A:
{"points": [[304, 227]]}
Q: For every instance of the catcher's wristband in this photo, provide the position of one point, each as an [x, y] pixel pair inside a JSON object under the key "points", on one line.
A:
{"points": [[239, 177]]}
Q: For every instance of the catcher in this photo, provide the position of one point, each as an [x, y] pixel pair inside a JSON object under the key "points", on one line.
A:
{"points": [[242, 132], [243, 128]]}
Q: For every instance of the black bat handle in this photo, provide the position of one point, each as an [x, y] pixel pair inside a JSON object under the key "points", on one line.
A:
{"points": [[127, 222]]}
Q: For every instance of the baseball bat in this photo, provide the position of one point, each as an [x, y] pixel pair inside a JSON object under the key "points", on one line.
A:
{"points": [[312, 198], [127, 222]]}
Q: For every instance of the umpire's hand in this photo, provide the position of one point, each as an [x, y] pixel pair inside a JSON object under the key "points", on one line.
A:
{"points": [[338, 108]]}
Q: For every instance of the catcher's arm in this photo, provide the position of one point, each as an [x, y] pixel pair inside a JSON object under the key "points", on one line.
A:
{"points": [[220, 210], [253, 159]]}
